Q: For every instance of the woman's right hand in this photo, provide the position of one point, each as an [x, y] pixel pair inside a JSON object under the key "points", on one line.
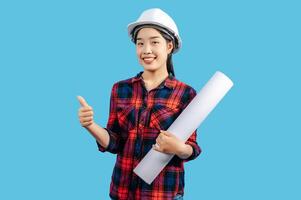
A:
{"points": [[85, 113]]}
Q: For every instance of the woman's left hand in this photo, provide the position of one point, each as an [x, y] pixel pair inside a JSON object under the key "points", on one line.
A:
{"points": [[168, 143]]}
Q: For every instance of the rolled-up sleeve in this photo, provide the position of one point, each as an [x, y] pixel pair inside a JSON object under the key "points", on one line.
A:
{"points": [[192, 140], [196, 150], [113, 129]]}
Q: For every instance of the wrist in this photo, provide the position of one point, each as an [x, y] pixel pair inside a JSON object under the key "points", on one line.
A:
{"points": [[180, 149], [90, 126], [184, 151]]}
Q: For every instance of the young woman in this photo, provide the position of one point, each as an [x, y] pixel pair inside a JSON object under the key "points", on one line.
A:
{"points": [[141, 110]]}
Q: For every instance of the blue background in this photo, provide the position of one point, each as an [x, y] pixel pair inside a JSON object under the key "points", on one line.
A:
{"points": [[52, 51]]}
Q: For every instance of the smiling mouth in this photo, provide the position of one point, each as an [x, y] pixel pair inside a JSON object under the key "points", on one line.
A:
{"points": [[148, 59]]}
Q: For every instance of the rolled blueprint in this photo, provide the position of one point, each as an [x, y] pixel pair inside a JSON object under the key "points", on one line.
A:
{"points": [[186, 123]]}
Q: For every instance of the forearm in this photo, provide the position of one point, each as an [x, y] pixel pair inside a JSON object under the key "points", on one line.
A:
{"points": [[185, 151], [100, 134]]}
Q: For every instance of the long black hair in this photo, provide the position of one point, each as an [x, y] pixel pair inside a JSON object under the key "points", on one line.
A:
{"points": [[169, 64], [167, 36]]}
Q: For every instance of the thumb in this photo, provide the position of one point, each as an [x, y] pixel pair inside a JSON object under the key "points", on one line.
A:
{"points": [[166, 133], [82, 101]]}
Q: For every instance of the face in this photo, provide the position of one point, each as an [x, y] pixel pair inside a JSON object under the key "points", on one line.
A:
{"points": [[152, 49]]}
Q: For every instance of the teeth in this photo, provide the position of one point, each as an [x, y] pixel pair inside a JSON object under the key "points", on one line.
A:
{"points": [[148, 59]]}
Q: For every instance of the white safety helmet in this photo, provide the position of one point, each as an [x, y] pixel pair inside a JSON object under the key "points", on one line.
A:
{"points": [[155, 17]]}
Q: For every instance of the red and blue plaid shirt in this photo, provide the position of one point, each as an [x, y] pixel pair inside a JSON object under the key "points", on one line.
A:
{"points": [[135, 120]]}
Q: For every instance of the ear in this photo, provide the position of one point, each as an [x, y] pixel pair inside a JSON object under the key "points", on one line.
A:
{"points": [[169, 47]]}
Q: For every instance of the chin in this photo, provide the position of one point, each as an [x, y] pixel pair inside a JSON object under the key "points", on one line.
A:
{"points": [[150, 69]]}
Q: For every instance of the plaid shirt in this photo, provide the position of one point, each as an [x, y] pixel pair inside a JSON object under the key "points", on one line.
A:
{"points": [[135, 120]]}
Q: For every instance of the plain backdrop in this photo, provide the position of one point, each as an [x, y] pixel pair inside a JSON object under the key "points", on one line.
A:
{"points": [[52, 51]]}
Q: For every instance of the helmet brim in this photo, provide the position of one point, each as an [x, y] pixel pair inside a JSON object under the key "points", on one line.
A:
{"points": [[133, 25]]}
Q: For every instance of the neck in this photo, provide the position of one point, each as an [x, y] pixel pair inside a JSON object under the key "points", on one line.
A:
{"points": [[152, 79], [154, 76]]}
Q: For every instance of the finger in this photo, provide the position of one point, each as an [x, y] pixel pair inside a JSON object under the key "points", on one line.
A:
{"points": [[86, 114], [156, 147], [163, 132], [82, 101], [85, 109], [166, 133], [86, 119], [159, 139], [87, 124], [162, 136]]}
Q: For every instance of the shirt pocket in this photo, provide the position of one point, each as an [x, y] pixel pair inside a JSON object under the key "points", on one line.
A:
{"points": [[126, 116], [162, 116]]}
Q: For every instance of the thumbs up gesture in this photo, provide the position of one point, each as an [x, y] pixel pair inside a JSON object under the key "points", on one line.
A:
{"points": [[85, 112]]}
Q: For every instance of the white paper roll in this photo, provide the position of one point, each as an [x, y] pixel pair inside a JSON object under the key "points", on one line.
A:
{"points": [[186, 123]]}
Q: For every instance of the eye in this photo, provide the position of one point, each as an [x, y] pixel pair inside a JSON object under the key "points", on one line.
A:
{"points": [[155, 42], [139, 43]]}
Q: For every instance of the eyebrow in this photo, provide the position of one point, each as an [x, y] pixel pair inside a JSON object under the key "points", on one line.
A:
{"points": [[154, 37]]}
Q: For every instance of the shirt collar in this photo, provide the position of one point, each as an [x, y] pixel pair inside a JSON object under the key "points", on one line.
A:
{"points": [[169, 82]]}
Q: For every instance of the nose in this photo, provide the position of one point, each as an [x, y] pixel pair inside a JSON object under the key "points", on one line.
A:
{"points": [[147, 49]]}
